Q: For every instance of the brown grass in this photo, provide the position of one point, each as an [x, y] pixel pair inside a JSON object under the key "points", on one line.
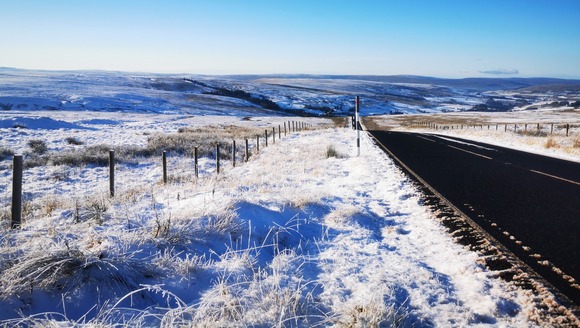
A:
{"points": [[551, 143]]}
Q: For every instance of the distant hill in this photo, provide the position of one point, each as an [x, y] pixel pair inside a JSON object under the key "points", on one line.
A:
{"points": [[272, 94], [473, 83]]}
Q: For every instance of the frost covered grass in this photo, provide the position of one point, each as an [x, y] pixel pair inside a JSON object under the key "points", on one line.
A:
{"points": [[304, 234]]}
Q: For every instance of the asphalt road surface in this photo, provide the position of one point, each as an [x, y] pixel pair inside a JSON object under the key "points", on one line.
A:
{"points": [[529, 203]]}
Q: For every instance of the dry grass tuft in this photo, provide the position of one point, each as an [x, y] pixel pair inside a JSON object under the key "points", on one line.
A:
{"points": [[576, 143], [551, 143]]}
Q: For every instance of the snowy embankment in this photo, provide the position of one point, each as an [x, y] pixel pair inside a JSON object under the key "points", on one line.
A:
{"points": [[304, 234]]}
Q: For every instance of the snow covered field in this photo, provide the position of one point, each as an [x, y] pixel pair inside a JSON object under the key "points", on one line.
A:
{"points": [[304, 234], [259, 95]]}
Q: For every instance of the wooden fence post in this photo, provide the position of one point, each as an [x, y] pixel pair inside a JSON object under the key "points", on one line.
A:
{"points": [[284, 128], [279, 132], [16, 192], [112, 173], [233, 153], [258, 143], [164, 159], [552, 128], [567, 129], [266, 138], [247, 150], [273, 135], [217, 158], [195, 167]]}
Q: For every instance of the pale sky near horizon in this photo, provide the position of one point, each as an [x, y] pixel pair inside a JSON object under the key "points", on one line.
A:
{"points": [[445, 38]]}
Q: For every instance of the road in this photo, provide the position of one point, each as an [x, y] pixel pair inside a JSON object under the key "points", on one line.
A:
{"points": [[529, 203]]}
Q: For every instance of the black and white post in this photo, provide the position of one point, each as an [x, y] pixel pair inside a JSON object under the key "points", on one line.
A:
{"points": [[357, 123]]}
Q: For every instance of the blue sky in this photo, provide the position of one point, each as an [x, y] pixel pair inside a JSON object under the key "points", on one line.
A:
{"points": [[441, 38]]}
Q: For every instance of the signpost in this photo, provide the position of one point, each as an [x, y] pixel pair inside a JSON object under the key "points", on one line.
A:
{"points": [[357, 126]]}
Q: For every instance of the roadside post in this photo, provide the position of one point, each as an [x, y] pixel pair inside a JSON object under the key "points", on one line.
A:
{"points": [[357, 123]]}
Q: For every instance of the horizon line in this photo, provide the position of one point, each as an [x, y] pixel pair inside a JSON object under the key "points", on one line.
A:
{"points": [[493, 76]]}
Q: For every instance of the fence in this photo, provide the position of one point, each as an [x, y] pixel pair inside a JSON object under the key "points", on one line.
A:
{"points": [[289, 127], [525, 128]]}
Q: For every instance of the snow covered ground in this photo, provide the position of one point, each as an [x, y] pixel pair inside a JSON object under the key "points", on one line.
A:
{"points": [[284, 94], [305, 233]]}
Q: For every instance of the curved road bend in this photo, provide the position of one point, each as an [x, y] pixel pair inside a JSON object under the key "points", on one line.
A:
{"points": [[536, 199]]}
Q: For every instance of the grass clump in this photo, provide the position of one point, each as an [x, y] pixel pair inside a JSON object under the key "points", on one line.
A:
{"points": [[551, 143], [93, 155], [331, 152], [66, 268], [73, 141], [5, 153], [38, 146], [532, 133]]}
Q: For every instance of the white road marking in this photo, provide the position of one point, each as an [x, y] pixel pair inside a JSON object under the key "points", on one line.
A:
{"points": [[556, 177], [470, 152], [426, 138], [465, 143]]}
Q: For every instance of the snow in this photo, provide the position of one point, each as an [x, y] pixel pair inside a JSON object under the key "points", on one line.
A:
{"points": [[35, 123], [305, 233], [24, 90], [290, 238]]}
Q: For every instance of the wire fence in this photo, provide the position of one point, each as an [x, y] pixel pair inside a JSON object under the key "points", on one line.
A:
{"points": [[534, 129], [234, 154]]}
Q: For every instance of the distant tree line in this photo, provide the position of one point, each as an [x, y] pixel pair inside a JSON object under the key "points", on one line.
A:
{"points": [[237, 93], [492, 105], [325, 110], [555, 104], [241, 94]]}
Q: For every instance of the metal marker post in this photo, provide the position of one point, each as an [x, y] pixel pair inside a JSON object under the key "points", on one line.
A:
{"points": [[357, 119]]}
